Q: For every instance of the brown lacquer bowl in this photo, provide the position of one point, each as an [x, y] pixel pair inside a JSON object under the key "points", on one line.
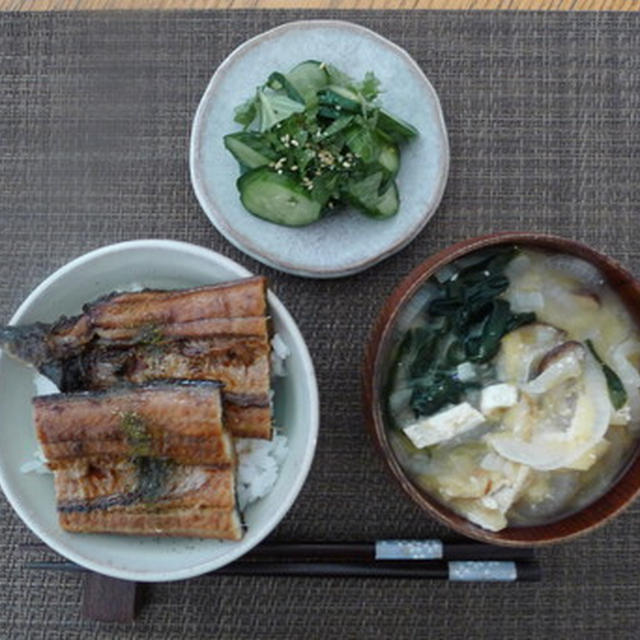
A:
{"points": [[376, 370]]}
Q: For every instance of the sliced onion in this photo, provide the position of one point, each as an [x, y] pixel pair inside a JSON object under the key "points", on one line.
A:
{"points": [[400, 407], [414, 307], [444, 274], [522, 300], [518, 267], [547, 450], [583, 271], [477, 513]]}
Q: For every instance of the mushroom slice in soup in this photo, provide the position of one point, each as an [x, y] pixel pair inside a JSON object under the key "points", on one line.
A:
{"points": [[521, 350], [562, 363]]}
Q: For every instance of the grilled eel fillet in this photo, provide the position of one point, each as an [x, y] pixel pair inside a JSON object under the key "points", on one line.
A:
{"points": [[152, 459], [180, 420], [147, 496], [218, 332]]}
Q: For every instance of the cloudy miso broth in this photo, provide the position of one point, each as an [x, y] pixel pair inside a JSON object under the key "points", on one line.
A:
{"points": [[514, 390]]}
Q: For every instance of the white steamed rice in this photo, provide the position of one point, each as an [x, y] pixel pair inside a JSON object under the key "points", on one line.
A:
{"points": [[259, 464]]}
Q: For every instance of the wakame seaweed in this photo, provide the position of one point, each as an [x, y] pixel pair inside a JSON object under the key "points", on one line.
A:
{"points": [[617, 392], [465, 322]]}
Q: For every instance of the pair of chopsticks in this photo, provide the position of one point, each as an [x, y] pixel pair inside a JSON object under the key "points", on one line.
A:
{"points": [[417, 559]]}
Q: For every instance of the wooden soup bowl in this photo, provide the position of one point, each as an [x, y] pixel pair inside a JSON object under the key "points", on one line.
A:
{"points": [[376, 370]]}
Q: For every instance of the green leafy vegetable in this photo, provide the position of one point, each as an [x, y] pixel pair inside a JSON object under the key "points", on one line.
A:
{"points": [[338, 77], [370, 87], [465, 323], [246, 113], [434, 391], [275, 107]]}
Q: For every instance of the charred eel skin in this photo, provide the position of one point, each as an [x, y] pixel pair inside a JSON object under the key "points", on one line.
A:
{"points": [[148, 496], [217, 332], [180, 420]]}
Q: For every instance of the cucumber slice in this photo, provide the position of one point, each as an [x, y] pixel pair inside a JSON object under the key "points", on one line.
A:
{"points": [[398, 129], [328, 112], [338, 125], [363, 143], [388, 203], [249, 149], [279, 82], [389, 158], [335, 96], [365, 196], [364, 193], [308, 78], [277, 198]]}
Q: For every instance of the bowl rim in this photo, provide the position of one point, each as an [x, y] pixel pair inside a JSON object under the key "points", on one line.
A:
{"points": [[244, 243], [303, 462], [595, 514]]}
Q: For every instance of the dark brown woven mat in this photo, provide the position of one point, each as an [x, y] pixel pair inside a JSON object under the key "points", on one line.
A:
{"points": [[543, 115]]}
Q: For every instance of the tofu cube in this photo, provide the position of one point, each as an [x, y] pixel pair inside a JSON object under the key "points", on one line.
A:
{"points": [[444, 425], [498, 396]]}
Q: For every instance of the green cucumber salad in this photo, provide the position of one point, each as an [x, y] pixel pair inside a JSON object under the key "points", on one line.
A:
{"points": [[314, 139]]}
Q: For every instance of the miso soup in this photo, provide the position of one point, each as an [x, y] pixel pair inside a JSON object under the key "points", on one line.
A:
{"points": [[514, 390]]}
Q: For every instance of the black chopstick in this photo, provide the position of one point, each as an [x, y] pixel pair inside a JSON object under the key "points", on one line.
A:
{"points": [[454, 571], [428, 549], [425, 549], [429, 558]]}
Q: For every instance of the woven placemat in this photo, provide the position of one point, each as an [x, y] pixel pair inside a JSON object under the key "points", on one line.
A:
{"points": [[543, 115]]}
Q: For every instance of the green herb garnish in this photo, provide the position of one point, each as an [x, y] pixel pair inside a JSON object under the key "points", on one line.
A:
{"points": [[135, 430]]}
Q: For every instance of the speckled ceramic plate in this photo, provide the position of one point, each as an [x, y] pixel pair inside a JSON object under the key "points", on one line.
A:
{"points": [[341, 244]]}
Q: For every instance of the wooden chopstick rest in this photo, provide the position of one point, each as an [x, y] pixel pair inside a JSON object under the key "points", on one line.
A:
{"points": [[108, 599]]}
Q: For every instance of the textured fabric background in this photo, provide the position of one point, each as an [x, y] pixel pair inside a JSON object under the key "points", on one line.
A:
{"points": [[543, 116]]}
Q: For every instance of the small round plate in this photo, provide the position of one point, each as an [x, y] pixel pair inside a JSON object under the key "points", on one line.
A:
{"points": [[347, 242], [138, 264]]}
